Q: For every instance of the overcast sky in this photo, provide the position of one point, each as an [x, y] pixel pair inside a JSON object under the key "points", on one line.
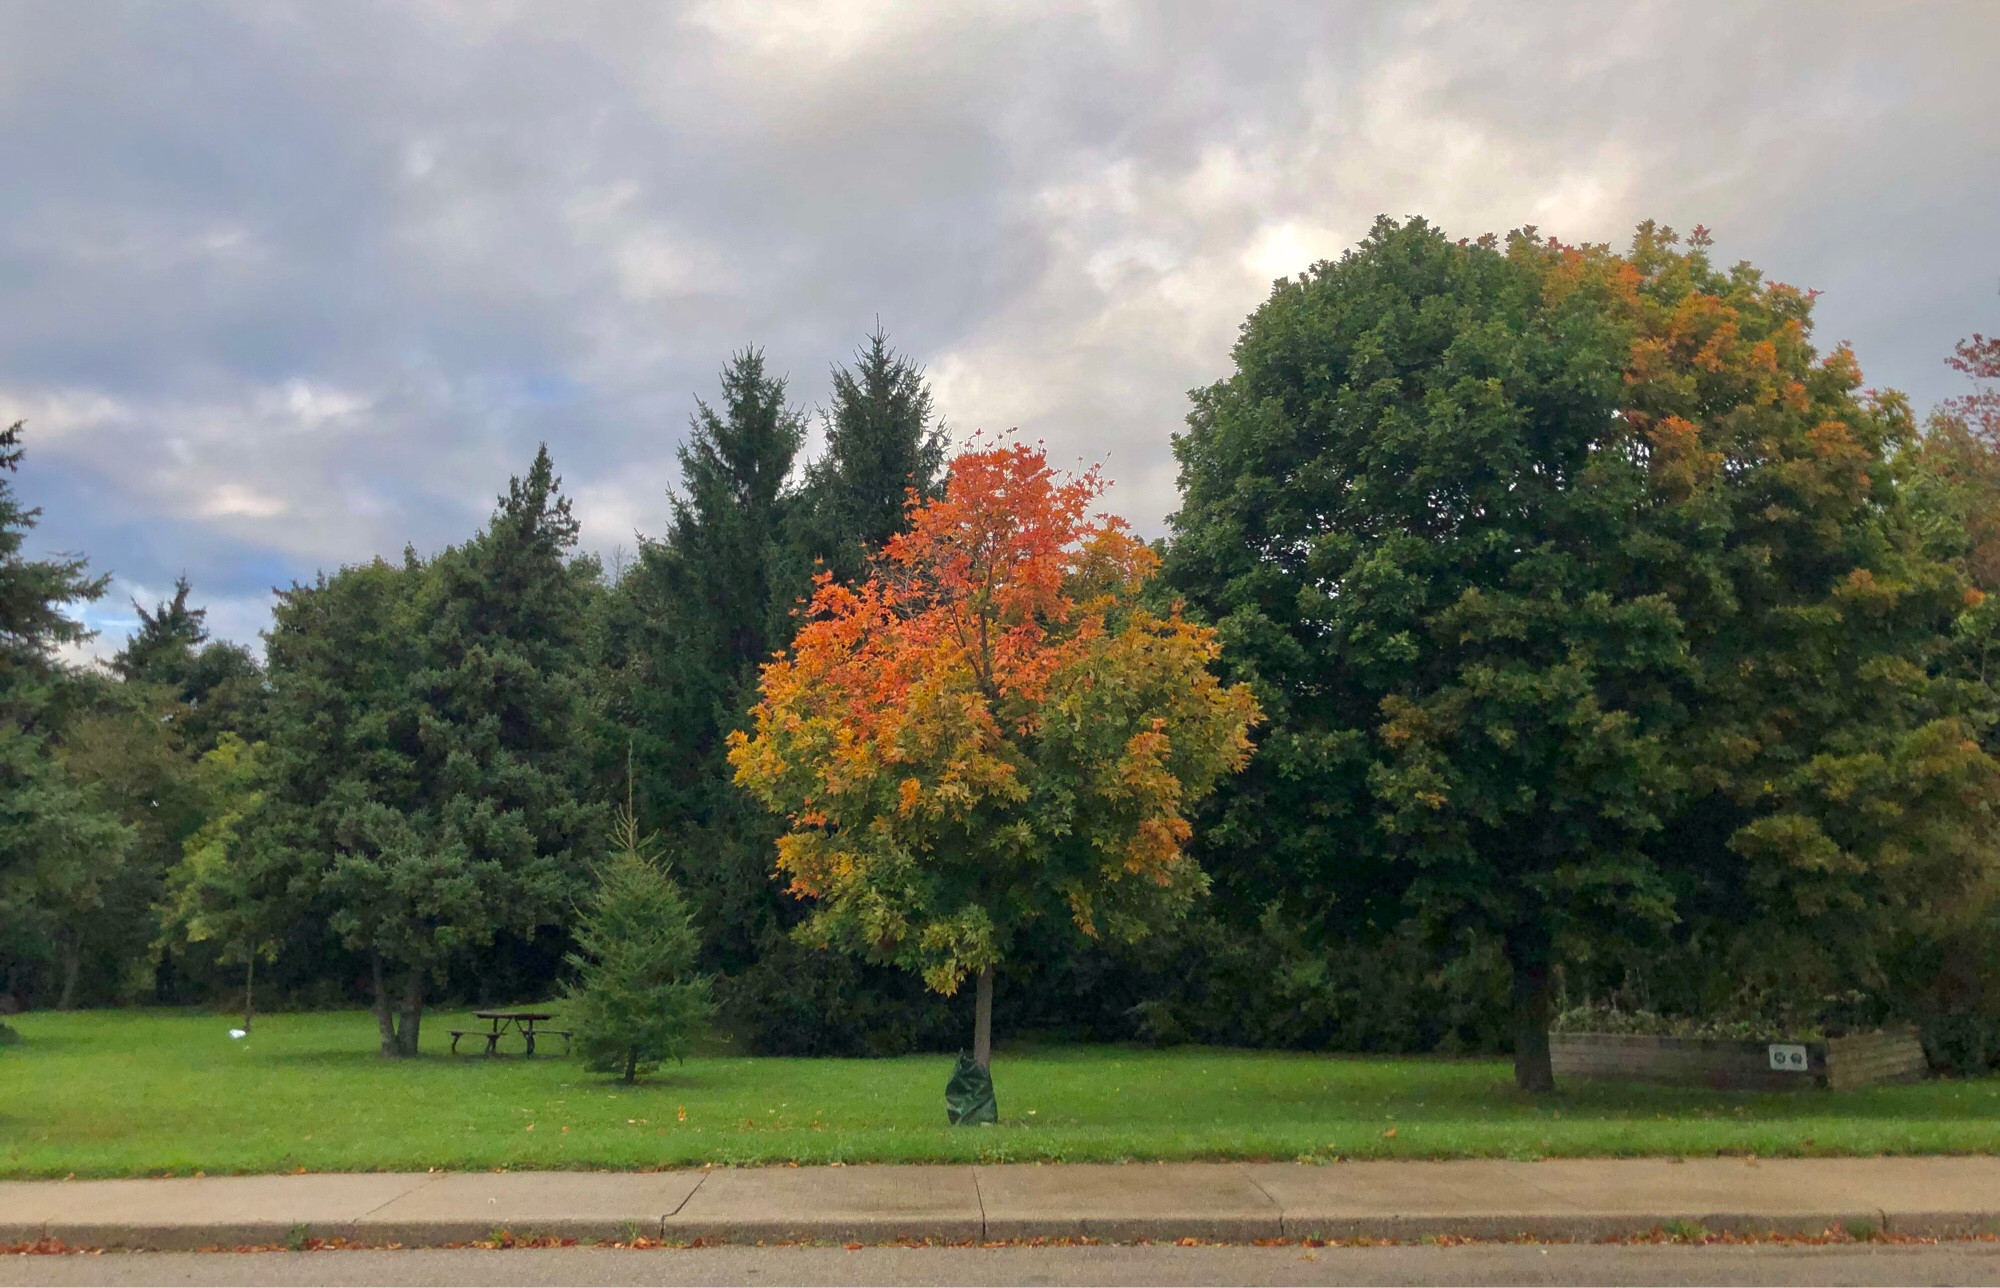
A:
{"points": [[288, 286]]}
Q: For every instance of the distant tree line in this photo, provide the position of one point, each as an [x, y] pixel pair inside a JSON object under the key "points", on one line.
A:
{"points": [[1612, 642]]}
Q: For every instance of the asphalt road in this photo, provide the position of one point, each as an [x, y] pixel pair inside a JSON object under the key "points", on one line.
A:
{"points": [[1947, 1263]]}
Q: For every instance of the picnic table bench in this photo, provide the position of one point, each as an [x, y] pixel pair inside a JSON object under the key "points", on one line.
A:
{"points": [[522, 1022]]}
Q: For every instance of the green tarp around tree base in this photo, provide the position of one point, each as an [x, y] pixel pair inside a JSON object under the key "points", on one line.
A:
{"points": [[968, 1097]]}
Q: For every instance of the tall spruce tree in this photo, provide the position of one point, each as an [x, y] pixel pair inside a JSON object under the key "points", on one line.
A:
{"points": [[342, 776], [57, 843], [429, 759], [694, 617], [511, 713], [700, 610], [35, 594], [218, 686], [883, 443], [168, 635]]}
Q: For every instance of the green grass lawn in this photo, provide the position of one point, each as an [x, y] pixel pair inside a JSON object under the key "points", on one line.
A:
{"points": [[133, 1093]]}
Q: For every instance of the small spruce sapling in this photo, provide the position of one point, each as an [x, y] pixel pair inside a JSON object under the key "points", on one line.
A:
{"points": [[637, 1000]]}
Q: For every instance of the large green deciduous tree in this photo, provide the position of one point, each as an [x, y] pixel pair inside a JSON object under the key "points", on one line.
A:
{"points": [[1949, 972], [226, 892], [122, 747], [1578, 593], [1836, 798]]}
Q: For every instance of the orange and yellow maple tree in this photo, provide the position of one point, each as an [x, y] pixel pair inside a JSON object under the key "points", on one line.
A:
{"points": [[992, 728]]}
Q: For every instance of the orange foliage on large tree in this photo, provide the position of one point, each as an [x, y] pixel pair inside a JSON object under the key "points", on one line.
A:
{"points": [[992, 728]]}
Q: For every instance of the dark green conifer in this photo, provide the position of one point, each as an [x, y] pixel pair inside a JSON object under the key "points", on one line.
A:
{"points": [[689, 625], [34, 593], [57, 844], [883, 442], [430, 766], [638, 999], [218, 686]]}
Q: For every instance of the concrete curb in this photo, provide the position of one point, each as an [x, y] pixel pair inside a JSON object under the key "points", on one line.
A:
{"points": [[1222, 1202], [225, 1235]]}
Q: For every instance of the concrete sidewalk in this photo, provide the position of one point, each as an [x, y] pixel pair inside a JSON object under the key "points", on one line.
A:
{"points": [[1232, 1202]]}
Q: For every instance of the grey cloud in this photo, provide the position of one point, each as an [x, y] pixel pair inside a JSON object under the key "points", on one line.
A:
{"points": [[294, 285]]}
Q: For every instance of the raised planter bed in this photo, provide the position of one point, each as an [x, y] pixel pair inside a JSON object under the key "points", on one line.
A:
{"points": [[1858, 1060]]}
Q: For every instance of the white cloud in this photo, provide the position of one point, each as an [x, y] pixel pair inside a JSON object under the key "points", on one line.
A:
{"points": [[787, 30], [53, 414], [228, 500], [317, 286]]}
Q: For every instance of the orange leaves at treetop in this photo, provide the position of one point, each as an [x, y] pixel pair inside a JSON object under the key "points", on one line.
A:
{"points": [[990, 726], [983, 580]]}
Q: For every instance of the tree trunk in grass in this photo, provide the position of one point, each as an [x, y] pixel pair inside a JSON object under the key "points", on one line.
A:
{"points": [[384, 1021], [982, 1020], [72, 966], [249, 992], [413, 1015], [1532, 1071], [632, 1064]]}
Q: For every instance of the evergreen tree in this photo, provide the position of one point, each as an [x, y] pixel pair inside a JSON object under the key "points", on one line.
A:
{"points": [[637, 1000], [218, 685], [430, 765], [342, 775], [510, 715], [160, 650], [34, 593], [681, 640], [883, 443], [700, 610], [57, 844]]}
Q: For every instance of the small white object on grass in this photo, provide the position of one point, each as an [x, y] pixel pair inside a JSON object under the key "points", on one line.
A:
{"points": [[239, 1033]]}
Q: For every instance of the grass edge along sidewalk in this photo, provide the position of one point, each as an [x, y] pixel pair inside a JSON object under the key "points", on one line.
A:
{"points": [[1575, 1199], [138, 1093]]}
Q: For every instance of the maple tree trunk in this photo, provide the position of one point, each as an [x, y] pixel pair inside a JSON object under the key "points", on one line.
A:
{"points": [[1530, 961], [982, 1020], [385, 1022], [632, 1064]]}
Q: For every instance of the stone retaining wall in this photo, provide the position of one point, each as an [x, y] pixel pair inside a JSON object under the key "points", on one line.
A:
{"points": [[1893, 1055]]}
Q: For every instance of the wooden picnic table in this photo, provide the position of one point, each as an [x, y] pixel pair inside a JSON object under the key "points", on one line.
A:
{"points": [[522, 1022]]}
